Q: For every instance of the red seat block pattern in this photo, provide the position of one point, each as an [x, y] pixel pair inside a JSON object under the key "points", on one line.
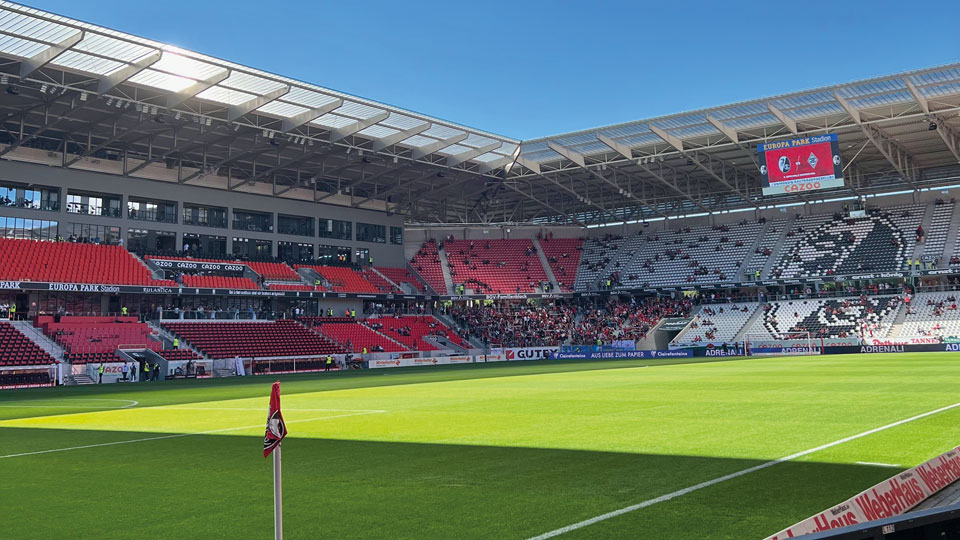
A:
{"points": [[343, 279], [96, 339], [377, 281], [395, 327], [253, 339], [359, 337], [293, 287], [402, 275], [32, 260], [512, 265], [219, 282], [427, 263], [274, 271], [563, 256], [17, 349]]}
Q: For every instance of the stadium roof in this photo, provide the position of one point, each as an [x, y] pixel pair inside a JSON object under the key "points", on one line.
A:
{"points": [[86, 97]]}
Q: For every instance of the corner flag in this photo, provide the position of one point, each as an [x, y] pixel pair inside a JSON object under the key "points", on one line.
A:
{"points": [[276, 428], [276, 431]]}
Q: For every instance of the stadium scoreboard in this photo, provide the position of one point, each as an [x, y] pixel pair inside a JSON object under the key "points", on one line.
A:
{"points": [[797, 165]]}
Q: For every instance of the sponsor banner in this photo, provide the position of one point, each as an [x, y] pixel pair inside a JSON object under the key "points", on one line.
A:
{"points": [[883, 349], [529, 353], [623, 355], [717, 352], [19, 386], [797, 165], [498, 357], [673, 324], [112, 372], [410, 362], [196, 265], [889, 498], [918, 340]]}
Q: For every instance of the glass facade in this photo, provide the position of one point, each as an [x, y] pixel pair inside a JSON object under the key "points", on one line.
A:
{"points": [[205, 245], [93, 204], [396, 235], [159, 211], [336, 229], [28, 229], [251, 248], [299, 225], [295, 251], [87, 233], [248, 220], [145, 241], [369, 232], [33, 198], [205, 216], [329, 255]]}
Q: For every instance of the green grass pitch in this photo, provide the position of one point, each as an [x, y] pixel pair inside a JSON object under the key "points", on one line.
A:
{"points": [[485, 451]]}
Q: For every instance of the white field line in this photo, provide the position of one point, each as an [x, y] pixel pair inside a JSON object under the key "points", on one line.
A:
{"points": [[175, 435], [708, 483], [875, 464], [178, 408], [129, 403]]}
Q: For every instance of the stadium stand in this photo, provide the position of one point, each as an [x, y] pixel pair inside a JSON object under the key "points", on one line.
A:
{"points": [[495, 266], [600, 258], [378, 281], [427, 263], [16, 349], [218, 282], [935, 241], [829, 318], [357, 336], [342, 278], [770, 239], [692, 255], [563, 256], [294, 287], [411, 330], [719, 323], [96, 339], [253, 339], [179, 354], [271, 271], [932, 315], [32, 260], [829, 245], [402, 275]]}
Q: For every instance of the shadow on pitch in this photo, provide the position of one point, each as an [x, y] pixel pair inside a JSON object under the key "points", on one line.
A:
{"points": [[220, 486]]}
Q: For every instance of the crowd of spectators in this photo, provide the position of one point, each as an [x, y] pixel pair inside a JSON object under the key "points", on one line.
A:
{"points": [[534, 326]]}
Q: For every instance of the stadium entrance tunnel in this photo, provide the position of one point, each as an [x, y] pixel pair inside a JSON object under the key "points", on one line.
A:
{"points": [[219, 486]]}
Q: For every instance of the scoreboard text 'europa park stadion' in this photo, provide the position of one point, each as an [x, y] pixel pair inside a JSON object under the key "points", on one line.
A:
{"points": [[805, 164]]}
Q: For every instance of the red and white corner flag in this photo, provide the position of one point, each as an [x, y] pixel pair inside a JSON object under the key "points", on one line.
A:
{"points": [[276, 431], [276, 428]]}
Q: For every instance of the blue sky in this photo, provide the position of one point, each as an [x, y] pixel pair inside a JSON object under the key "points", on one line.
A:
{"points": [[528, 69]]}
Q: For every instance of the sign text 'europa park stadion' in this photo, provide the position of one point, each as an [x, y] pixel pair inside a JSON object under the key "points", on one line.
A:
{"points": [[798, 165]]}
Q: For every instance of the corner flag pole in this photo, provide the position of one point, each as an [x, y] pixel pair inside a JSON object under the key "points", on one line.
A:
{"points": [[277, 496], [275, 432]]}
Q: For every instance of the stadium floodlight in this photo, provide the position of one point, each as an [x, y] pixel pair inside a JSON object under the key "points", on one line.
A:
{"points": [[83, 97], [109, 102], [176, 116], [4, 79], [43, 89]]}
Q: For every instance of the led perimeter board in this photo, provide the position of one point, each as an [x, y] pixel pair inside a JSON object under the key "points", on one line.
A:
{"points": [[806, 164]]}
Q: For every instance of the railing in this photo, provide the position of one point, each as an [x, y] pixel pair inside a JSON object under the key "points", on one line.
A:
{"points": [[213, 315], [151, 215], [209, 222], [77, 208]]}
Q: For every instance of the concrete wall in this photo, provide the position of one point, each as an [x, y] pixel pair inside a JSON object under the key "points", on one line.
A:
{"points": [[126, 187]]}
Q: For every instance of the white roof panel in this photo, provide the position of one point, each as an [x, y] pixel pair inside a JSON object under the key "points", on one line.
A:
{"points": [[163, 81]]}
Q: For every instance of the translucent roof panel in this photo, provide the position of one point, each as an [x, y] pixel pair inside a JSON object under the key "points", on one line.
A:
{"points": [[33, 28], [20, 48], [163, 81], [358, 110], [402, 122], [225, 95], [283, 109], [418, 141], [122, 51], [250, 84], [454, 149], [442, 132], [86, 63], [333, 121], [182, 66], [308, 98], [377, 131]]}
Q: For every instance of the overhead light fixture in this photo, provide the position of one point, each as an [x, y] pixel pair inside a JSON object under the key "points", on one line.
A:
{"points": [[236, 127], [209, 121], [109, 102], [43, 89], [266, 133], [4, 79], [932, 126], [83, 97], [153, 110], [394, 159], [176, 116], [119, 103], [13, 90], [272, 134]]}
